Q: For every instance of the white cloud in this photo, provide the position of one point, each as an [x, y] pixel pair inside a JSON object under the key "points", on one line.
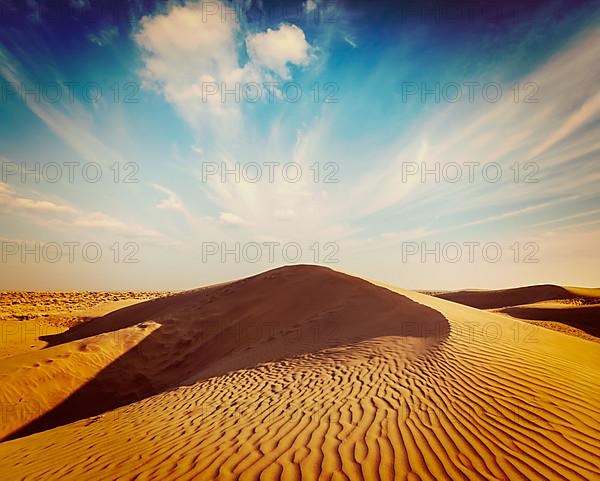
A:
{"points": [[5, 188], [588, 111], [569, 217], [186, 52], [276, 49], [183, 50], [103, 221], [172, 201], [42, 206], [561, 132], [228, 218], [13, 202], [46, 212]]}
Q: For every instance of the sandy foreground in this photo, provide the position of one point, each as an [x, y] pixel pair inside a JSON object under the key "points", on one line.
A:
{"points": [[304, 373]]}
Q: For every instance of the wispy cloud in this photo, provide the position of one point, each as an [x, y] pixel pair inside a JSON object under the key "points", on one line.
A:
{"points": [[569, 217], [104, 37], [67, 120], [350, 41], [52, 213], [480, 133], [171, 201]]}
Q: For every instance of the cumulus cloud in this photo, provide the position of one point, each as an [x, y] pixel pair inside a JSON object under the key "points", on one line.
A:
{"points": [[183, 50], [187, 54], [277, 49]]}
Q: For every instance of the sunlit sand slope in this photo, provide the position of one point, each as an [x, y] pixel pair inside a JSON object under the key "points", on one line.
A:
{"points": [[492, 398]]}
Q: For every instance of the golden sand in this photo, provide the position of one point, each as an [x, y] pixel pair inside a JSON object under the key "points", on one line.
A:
{"points": [[303, 373]]}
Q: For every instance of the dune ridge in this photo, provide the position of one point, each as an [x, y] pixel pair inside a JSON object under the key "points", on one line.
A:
{"points": [[489, 398]]}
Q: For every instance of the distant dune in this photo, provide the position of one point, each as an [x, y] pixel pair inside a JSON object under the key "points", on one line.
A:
{"points": [[571, 310], [494, 299], [304, 373], [568, 319]]}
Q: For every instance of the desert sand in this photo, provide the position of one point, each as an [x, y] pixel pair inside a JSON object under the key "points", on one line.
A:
{"points": [[27, 316], [303, 372]]}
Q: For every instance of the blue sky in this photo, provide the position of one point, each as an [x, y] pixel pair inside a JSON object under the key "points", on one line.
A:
{"points": [[158, 121]]}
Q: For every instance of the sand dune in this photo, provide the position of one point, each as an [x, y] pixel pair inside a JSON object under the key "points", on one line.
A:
{"points": [[206, 332], [494, 299], [583, 321], [395, 385], [571, 310]]}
